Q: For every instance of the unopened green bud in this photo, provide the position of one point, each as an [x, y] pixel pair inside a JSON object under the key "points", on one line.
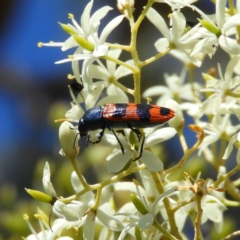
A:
{"points": [[84, 43], [138, 204], [138, 234], [40, 196], [67, 29], [207, 77], [132, 138], [211, 27]]}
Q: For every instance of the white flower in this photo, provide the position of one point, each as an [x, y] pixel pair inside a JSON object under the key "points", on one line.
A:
{"points": [[175, 89], [134, 218], [223, 27], [124, 5], [117, 160], [87, 30], [109, 73], [211, 205], [192, 109], [79, 213], [234, 138], [46, 232], [221, 88], [92, 98], [175, 38], [221, 125], [46, 180]]}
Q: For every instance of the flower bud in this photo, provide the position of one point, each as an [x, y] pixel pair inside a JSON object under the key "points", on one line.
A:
{"points": [[210, 27], [123, 5], [69, 140], [67, 29], [138, 204], [84, 43], [40, 196]]}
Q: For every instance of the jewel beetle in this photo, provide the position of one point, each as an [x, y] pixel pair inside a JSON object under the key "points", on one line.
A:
{"points": [[123, 115]]}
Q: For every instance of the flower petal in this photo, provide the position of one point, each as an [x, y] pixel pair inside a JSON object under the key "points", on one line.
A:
{"points": [[100, 14], [99, 72], [155, 91], [156, 19], [130, 187], [70, 43], [100, 50], [47, 184], [178, 25], [126, 230], [229, 45], [85, 18], [71, 212], [230, 146], [88, 228], [118, 162], [110, 27], [220, 12], [160, 135], [122, 71], [232, 22], [146, 221], [111, 66], [109, 221], [77, 186], [152, 162], [161, 44], [207, 141]]}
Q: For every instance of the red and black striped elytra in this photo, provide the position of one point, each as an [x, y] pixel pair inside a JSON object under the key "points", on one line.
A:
{"points": [[123, 115]]}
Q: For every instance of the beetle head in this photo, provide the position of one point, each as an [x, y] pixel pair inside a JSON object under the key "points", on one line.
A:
{"points": [[81, 128]]}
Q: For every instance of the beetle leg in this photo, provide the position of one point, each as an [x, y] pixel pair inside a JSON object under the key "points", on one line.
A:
{"points": [[100, 135], [141, 149], [121, 146], [136, 131]]}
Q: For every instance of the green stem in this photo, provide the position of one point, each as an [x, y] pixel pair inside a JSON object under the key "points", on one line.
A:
{"points": [[163, 231], [143, 14], [81, 178], [119, 46], [109, 58], [232, 94], [157, 181], [231, 203], [198, 234], [113, 179], [153, 59], [171, 219], [182, 204], [122, 87], [226, 176]]}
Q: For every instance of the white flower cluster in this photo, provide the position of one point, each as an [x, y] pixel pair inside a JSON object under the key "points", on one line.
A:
{"points": [[158, 206]]}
